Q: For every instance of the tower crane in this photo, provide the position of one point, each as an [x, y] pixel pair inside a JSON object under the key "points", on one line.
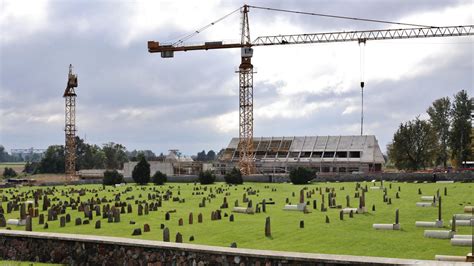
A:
{"points": [[245, 146], [70, 125]]}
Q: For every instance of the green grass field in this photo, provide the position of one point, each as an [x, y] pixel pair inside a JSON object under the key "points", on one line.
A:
{"points": [[352, 236]]}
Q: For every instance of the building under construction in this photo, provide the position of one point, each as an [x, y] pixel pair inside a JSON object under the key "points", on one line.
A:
{"points": [[327, 155]]}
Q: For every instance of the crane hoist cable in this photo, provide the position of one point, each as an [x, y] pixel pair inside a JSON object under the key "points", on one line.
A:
{"points": [[183, 38], [362, 83], [341, 17]]}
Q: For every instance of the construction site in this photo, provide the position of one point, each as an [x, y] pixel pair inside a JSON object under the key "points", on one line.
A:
{"points": [[326, 155]]}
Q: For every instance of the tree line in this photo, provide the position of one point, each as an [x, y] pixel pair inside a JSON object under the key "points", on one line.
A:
{"points": [[443, 140]]}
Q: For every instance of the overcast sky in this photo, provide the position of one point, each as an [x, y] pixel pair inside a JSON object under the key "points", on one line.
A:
{"points": [[190, 102]]}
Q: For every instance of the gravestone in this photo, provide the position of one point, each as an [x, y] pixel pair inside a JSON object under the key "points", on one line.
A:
{"points": [[351, 214], [190, 218], [166, 234], [22, 211], [341, 215], [68, 218], [301, 224], [327, 219], [3, 222], [191, 238], [41, 219], [29, 224], [146, 228], [264, 206], [373, 207], [140, 210], [315, 205], [129, 208], [419, 191], [45, 226], [116, 214], [62, 221], [200, 218], [445, 191], [233, 245], [231, 218], [97, 224], [268, 232], [78, 221], [348, 203], [180, 222], [167, 216], [179, 238], [137, 232]]}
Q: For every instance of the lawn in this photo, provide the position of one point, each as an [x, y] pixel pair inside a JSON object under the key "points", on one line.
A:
{"points": [[352, 236]]}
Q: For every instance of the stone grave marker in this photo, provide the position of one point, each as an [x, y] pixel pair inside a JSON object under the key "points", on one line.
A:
{"points": [[78, 221], [301, 224], [41, 219], [179, 238], [268, 232], [3, 222], [137, 232], [200, 218], [190, 218], [341, 215], [180, 222], [97, 224], [166, 235], [146, 228], [62, 221]]}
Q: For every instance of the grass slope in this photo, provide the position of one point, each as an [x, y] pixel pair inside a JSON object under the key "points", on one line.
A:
{"points": [[352, 236]]}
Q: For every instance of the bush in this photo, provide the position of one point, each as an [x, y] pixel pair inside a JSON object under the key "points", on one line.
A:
{"points": [[31, 168], [9, 172], [141, 172], [112, 177], [206, 177], [234, 177], [159, 178], [301, 175]]}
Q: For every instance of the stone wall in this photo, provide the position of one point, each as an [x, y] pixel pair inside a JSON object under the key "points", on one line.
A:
{"points": [[97, 250]]}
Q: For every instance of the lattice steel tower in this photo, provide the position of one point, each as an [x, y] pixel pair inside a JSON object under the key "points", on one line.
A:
{"points": [[246, 149], [70, 127]]}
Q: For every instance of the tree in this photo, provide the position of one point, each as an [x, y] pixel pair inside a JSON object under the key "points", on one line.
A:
{"points": [[211, 155], [234, 177], [414, 145], [301, 175], [9, 172], [459, 139], [53, 160], [89, 156], [440, 114], [115, 155], [141, 171], [159, 178], [201, 156], [31, 168], [112, 177], [207, 177]]}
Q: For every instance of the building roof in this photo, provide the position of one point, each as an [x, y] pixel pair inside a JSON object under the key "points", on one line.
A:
{"points": [[336, 148]]}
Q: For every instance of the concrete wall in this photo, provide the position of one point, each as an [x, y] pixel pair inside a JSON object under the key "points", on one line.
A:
{"points": [[164, 167], [98, 250]]}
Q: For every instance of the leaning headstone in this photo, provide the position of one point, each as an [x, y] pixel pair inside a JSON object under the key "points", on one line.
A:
{"points": [[29, 224], [137, 232], [327, 219], [166, 234], [268, 232], [179, 238], [3, 222]]}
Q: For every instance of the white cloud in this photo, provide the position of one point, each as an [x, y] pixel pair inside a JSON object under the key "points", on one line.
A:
{"points": [[19, 18]]}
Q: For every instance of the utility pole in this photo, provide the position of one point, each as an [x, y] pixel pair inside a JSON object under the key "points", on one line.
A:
{"points": [[70, 126]]}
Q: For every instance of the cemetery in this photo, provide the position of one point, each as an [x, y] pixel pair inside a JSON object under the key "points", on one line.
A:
{"points": [[346, 218]]}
